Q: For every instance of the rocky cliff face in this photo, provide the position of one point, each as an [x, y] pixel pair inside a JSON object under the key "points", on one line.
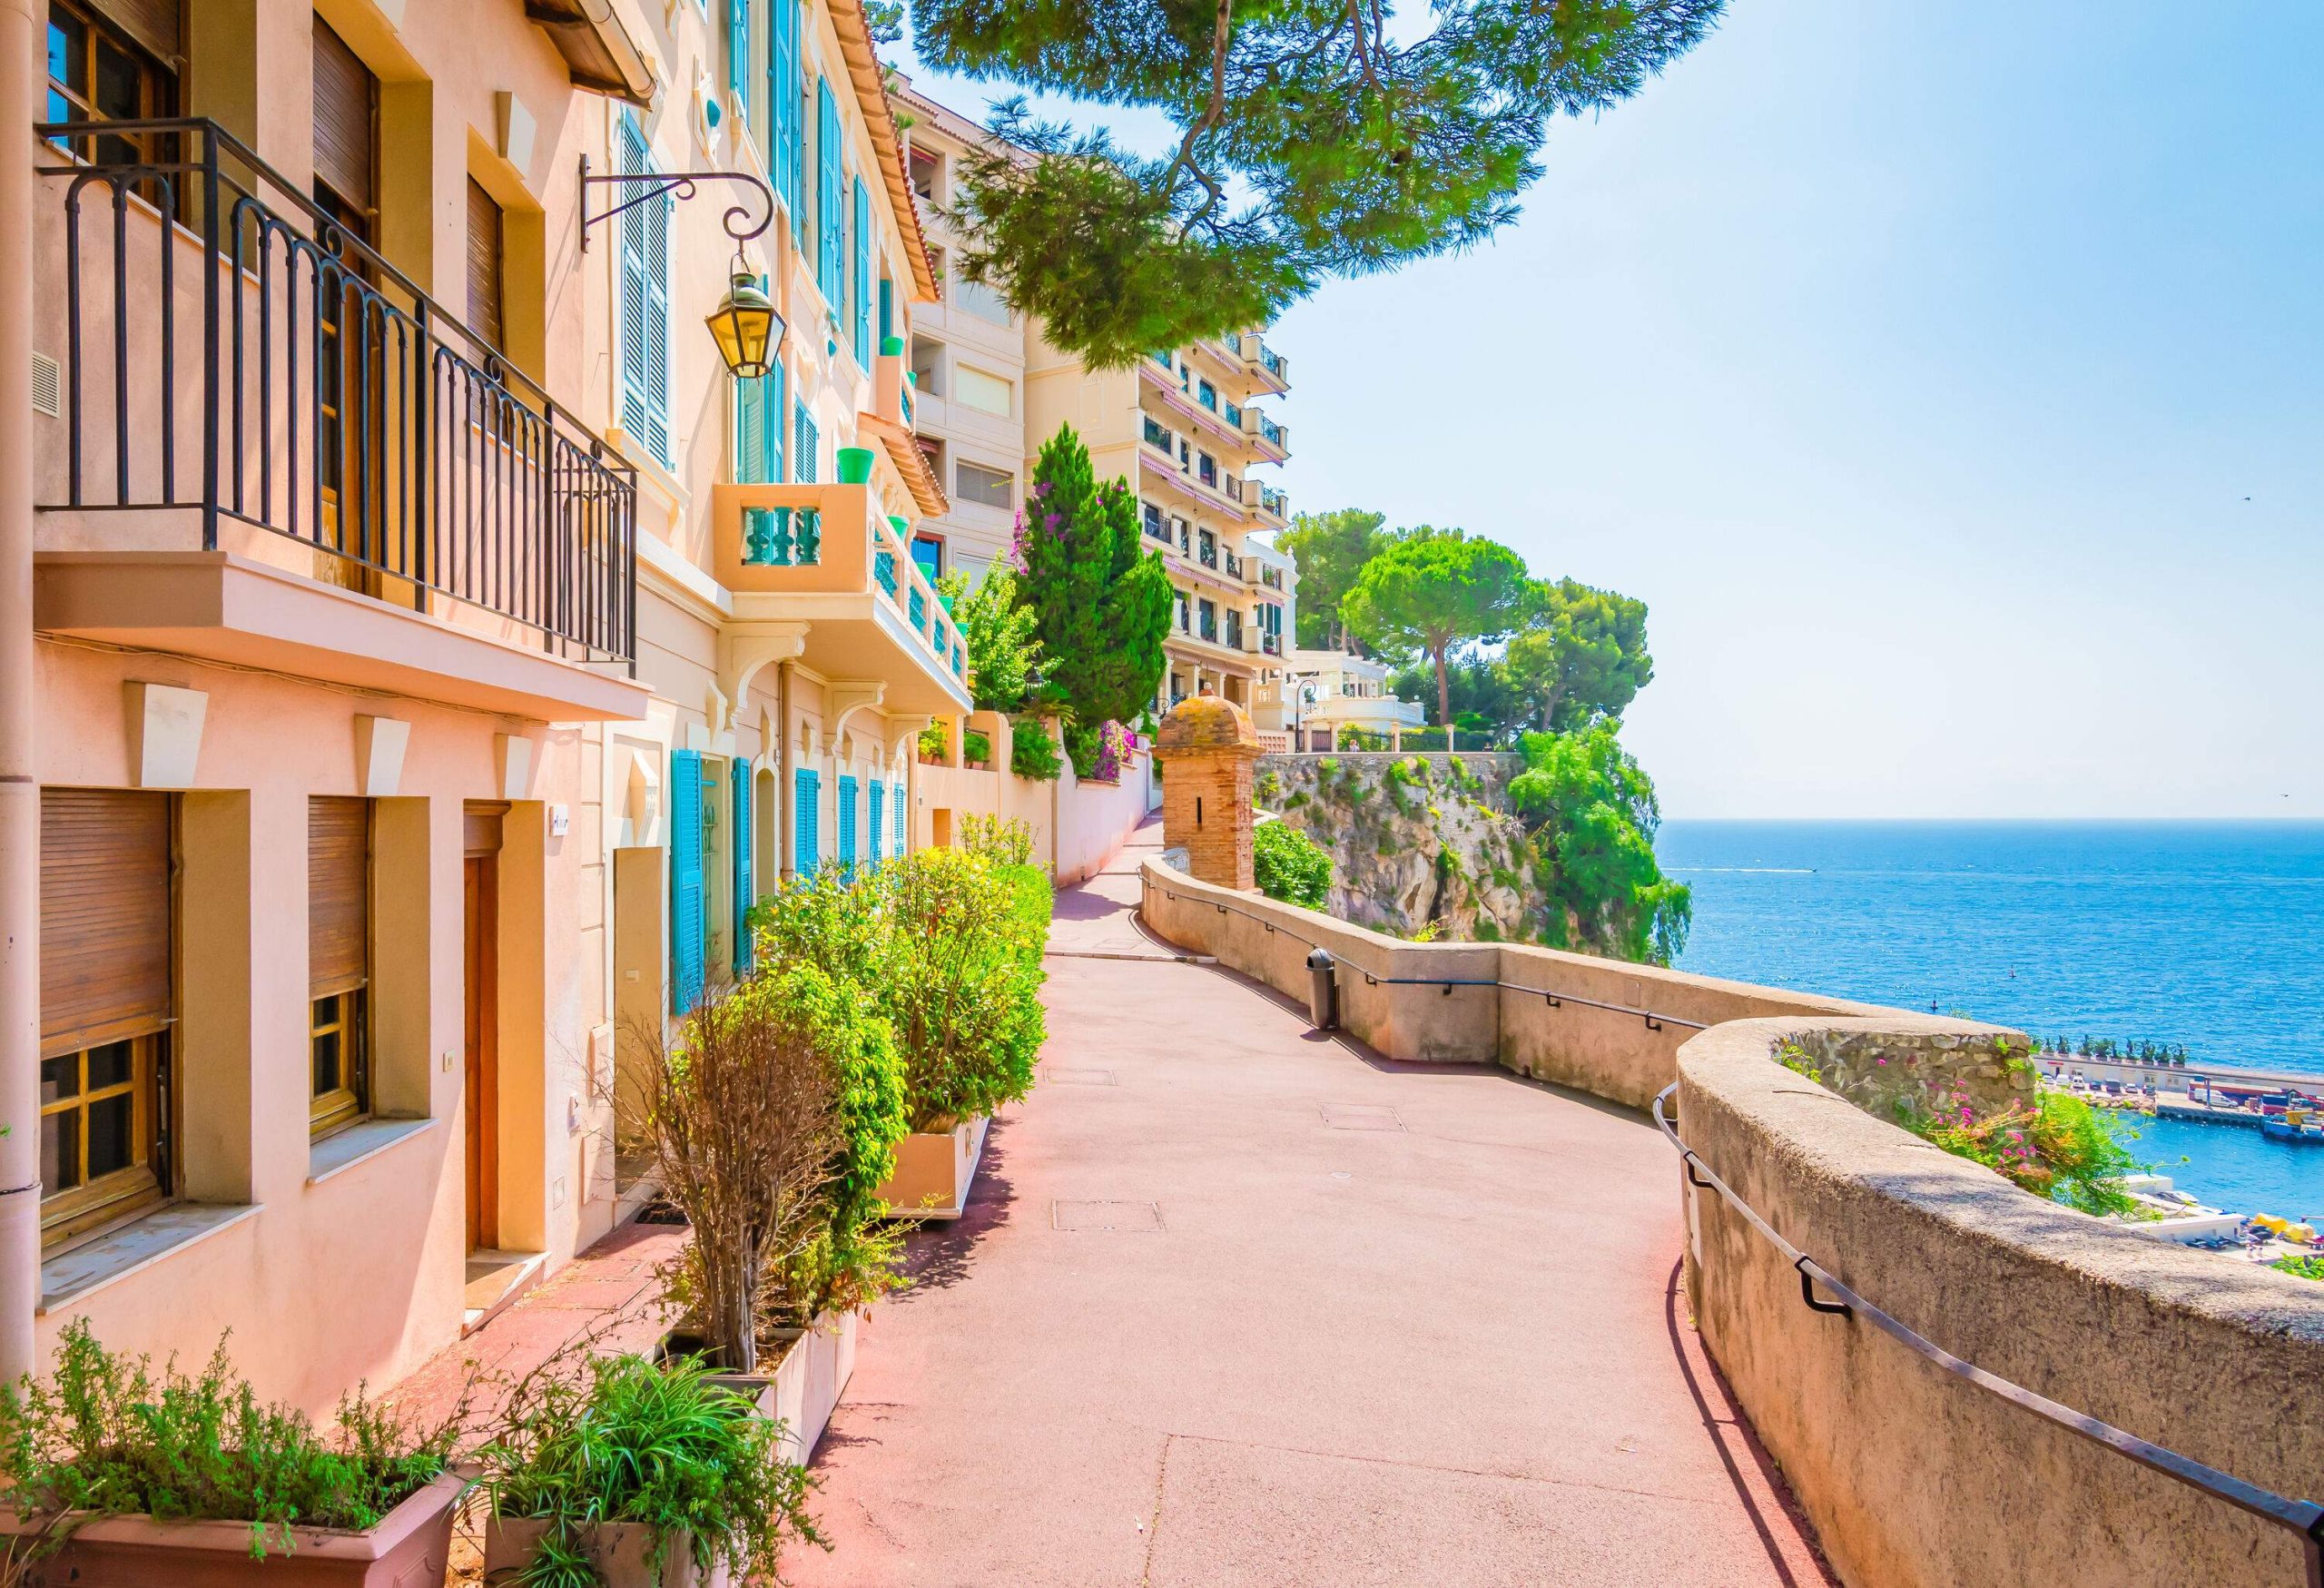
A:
{"points": [[1413, 839]]}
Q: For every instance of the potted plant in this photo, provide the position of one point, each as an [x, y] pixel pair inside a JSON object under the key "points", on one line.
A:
{"points": [[628, 1472], [117, 1475], [855, 465], [769, 1118], [932, 744], [962, 992], [976, 749]]}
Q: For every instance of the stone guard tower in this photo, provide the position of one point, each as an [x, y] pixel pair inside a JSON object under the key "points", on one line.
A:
{"points": [[1206, 746]]}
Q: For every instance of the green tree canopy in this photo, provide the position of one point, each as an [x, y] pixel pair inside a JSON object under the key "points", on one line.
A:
{"points": [[1331, 549], [1478, 692], [1595, 817], [1315, 140], [1433, 589], [1101, 600], [1003, 638], [1582, 655]]}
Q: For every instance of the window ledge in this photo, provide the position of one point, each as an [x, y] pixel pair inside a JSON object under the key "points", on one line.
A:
{"points": [[72, 1276], [342, 1151]]}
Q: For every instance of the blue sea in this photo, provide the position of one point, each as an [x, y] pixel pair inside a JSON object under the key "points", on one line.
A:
{"points": [[2206, 935]]}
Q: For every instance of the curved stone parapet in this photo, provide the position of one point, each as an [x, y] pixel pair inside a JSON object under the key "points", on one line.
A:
{"points": [[1914, 1478]]}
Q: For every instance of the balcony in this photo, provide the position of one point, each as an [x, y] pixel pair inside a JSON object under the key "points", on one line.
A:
{"points": [[1269, 439], [1176, 394], [823, 561], [269, 446], [1266, 366], [1269, 506], [1233, 566], [1271, 643]]}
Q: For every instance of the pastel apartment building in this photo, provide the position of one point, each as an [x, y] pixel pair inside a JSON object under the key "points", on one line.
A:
{"points": [[426, 633], [1184, 428]]}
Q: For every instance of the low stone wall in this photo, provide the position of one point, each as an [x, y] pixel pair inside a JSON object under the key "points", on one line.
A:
{"points": [[1913, 1479], [1570, 1019]]}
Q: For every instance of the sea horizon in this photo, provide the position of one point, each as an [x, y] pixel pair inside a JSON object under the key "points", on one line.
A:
{"points": [[2187, 931]]}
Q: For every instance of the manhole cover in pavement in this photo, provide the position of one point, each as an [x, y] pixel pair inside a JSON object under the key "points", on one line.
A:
{"points": [[1121, 1218], [1080, 1076], [1361, 1117]]}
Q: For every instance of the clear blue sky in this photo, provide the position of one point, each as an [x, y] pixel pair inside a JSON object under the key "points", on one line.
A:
{"points": [[1914, 363]]}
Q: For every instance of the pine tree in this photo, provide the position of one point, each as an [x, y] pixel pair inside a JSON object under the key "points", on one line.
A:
{"points": [[1100, 599], [1315, 140]]}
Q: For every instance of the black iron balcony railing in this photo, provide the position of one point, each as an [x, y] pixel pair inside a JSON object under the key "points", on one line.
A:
{"points": [[331, 400]]}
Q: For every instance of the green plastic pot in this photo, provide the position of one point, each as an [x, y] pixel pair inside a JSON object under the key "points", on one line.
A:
{"points": [[892, 347], [855, 466], [903, 527]]}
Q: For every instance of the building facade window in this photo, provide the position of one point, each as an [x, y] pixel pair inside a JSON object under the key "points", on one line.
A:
{"points": [[339, 962], [928, 366], [928, 551], [990, 488], [112, 64], [1207, 619], [107, 1001], [985, 302], [973, 388]]}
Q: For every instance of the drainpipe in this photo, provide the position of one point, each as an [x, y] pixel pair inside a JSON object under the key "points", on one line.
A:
{"points": [[784, 782], [19, 769]]}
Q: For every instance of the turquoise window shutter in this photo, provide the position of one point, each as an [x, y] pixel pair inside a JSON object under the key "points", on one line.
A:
{"points": [[740, 843], [896, 806], [630, 146], [686, 880], [785, 149], [862, 295], [771, 413], [749, 432], [738, 53], [887, 309], [805, 850], [803, 440], [847, 824], [877, 793], [831, 201]]}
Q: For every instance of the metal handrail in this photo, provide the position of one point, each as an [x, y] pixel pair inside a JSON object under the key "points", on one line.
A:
{"points": [[2304, 1517]]}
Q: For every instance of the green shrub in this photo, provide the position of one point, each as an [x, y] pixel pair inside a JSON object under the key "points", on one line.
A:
{"points": [[1270, 787], [1034, 900], [2305, 1265], [1295, 801], [1362, 739], [1387, 846], [1488, 928], [1289, 865], [1007, 842], [976, 748], [106, 1435], [654, 1444], [1034, 753], [1081, 742], [933, 741], [962, 989], [1328, 765]]}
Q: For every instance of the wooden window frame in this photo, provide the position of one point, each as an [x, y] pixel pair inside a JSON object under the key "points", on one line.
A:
{"points": [[114, 1198], [345, 1012]]}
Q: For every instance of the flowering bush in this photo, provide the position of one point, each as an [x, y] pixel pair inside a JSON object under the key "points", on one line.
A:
{"points": [[1116, 743], [2060, 1147]]}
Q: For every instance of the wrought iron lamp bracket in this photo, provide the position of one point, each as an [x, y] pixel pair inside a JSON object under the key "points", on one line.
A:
{"points": [[645, 187]]}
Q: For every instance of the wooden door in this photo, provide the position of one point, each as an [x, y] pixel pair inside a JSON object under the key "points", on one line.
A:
{"points": [[481, 892]]}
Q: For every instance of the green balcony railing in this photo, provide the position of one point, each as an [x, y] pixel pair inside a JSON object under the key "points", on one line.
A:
{"points": [[783, 537]]}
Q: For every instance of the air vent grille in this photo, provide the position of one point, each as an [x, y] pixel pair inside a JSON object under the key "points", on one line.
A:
{"points": [[48, 386]]}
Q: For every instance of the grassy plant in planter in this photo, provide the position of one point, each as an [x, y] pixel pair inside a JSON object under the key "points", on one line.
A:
{"points": [[108, 1437], [613, 1474]]}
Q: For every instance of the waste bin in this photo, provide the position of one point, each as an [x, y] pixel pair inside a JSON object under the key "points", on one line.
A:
{"points": [[1322, 990]]}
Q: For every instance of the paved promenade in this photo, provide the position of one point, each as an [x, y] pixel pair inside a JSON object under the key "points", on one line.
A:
{"points": [[1237, 1305]]}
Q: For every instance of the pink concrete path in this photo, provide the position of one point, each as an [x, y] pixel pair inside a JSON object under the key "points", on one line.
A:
{"points": [[1237, 1305]]}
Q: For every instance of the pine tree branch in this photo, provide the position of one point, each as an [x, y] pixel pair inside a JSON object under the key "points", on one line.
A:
{"points": [[1221, 32]]}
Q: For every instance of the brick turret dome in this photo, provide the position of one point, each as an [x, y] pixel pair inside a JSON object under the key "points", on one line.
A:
{"points": [[1206, 722]]}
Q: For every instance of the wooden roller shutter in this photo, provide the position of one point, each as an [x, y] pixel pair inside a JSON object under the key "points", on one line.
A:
{"points": [[347, 108], [338, 894], [153, 24], [484, 252], [104, 916]]}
